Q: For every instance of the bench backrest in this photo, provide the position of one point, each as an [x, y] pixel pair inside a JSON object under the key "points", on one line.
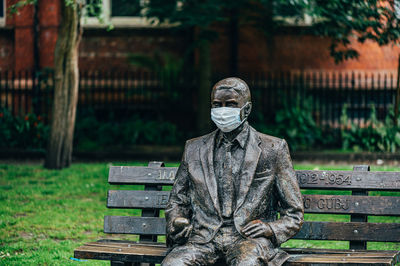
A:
{"points": [[358, 204]]}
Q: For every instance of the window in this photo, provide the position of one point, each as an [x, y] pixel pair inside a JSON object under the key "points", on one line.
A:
{"points": [[291, 15], [120, 13], [125, 8], [2, 12]]}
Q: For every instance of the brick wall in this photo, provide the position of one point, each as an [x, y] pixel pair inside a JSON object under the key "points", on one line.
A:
{"points": [[49, 19], [23, 39], [104, 50], [293, 49]]}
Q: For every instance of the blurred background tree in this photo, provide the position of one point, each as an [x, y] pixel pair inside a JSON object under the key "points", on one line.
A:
{"points": [[66, 73]]}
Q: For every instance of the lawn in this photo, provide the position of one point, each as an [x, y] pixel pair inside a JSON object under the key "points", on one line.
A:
{"points": [[45, 214]]}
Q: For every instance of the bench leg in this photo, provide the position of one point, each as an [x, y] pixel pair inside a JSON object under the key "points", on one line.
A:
{"points": [[359, 245]]}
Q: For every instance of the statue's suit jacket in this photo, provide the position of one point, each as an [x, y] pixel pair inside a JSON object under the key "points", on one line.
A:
{"points": [[267, 185]]}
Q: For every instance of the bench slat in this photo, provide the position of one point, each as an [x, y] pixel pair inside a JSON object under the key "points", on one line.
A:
{"points": [[136, 253], [155, 253], [142, 175], [134, 225], [334, 204], [346, 180], [332, 259], [367, 253], [378, 232], [137, 199], [344, 204], [308, 179]]}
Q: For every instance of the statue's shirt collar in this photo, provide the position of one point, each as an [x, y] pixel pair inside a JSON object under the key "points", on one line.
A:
{"points": [[241, 137]]}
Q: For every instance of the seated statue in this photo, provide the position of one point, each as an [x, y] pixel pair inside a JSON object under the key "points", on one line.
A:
{"points": [[229, 188]]}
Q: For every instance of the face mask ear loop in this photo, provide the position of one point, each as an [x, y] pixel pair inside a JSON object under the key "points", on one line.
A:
{"points": [[242, 121]]}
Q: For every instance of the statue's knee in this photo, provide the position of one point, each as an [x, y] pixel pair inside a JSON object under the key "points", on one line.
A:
{"points": [[244, 257], [184, 256], [172, 261], [248, 261], [248, 253]]}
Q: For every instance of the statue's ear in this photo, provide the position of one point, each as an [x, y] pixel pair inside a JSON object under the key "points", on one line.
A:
{"points": [[247, 110]]}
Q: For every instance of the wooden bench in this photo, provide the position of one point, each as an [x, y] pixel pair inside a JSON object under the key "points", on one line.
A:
{"points": [[357, 204]]}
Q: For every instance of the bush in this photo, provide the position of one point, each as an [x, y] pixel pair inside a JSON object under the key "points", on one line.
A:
{"points": [[22, 132], [375, 136], [92, 134], [29, 132], [295, 123]]}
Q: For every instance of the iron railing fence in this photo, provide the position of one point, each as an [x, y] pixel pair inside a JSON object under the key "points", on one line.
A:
{"points": [[166, 95], [326, 94]]}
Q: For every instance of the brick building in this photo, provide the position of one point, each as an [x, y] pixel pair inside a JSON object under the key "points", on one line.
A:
{"points": [[27, 41]]}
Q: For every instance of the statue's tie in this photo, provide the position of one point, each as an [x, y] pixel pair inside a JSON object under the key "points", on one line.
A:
{"points": [[227, 182]]}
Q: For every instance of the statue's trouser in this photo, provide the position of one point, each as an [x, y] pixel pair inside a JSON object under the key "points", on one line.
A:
{"points": [[228, 244]]}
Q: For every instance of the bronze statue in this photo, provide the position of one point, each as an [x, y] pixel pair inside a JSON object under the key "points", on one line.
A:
{"points": [[228, 189]]}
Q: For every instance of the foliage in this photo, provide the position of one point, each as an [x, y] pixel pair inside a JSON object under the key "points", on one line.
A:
{"points": [[295, 123], [14, 9], [340, 20], [167, 66], [383, 136], [94, 134], [204, 14], [28, 132], [158, 62]]}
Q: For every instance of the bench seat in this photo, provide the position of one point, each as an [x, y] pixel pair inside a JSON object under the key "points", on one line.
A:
{"points": [[154, 253], [349, 193]]}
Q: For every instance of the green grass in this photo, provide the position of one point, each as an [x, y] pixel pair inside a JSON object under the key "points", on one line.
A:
{"points": [[45, 214]]}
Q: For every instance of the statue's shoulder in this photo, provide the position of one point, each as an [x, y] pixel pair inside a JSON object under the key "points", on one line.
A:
{"points": [[201, 140], [192, 146]]}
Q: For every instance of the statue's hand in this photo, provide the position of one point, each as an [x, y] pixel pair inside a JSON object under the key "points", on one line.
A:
{"points": [[257, 228], [181, 229]]}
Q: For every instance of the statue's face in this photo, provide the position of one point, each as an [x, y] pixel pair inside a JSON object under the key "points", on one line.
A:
{"points": [[226, 98], [230, 98]]}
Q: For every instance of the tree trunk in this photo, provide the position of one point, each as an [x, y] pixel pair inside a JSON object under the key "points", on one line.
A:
{"points": [[66, 72], [204, 88]]}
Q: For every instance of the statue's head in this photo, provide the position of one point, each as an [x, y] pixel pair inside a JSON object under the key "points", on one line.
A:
{"points": [[230, 103]]}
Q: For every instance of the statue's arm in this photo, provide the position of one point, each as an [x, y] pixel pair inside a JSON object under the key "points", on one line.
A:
{"points": [[179, 204], [291, 203]]}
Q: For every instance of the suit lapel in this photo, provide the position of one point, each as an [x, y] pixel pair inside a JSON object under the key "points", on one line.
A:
{"points": [[252, 155], [207, 162]]}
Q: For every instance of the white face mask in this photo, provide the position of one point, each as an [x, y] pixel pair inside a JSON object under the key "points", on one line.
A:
{"points": [[226, 118]]}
